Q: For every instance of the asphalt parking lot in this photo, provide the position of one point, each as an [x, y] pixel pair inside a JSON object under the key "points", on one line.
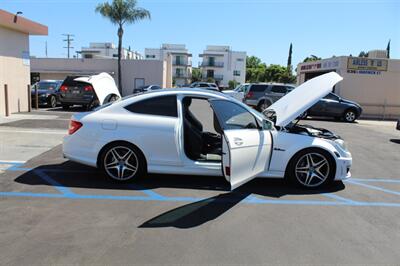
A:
{"points": [[53, 211]]}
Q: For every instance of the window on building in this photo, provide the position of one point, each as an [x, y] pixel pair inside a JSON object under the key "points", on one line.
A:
{"points": [[240, 59], [88, 56], [236, 72], [161, 106], [150, 56]]}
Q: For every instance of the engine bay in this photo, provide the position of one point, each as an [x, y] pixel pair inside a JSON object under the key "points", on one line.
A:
{"points": [[311, 131]]}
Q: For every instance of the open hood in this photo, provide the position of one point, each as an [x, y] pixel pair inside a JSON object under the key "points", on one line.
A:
{"points": [[293, 104], [103, 85]]}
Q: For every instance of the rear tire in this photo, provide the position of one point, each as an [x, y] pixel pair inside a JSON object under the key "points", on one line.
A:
{"points": [[122, 161], [311, 168]]}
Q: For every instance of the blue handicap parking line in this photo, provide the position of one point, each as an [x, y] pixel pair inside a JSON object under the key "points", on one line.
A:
{"points": [[150, 195]]}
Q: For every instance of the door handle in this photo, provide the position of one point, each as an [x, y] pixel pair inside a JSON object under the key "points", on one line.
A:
{"points": [[238, 141]]}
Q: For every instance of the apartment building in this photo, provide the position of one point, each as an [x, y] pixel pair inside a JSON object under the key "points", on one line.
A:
{"points": [[179, 57], [222, 64], [101, 50]]}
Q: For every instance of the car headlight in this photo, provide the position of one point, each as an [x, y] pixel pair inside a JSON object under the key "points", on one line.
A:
{"points": [[341, 144]]}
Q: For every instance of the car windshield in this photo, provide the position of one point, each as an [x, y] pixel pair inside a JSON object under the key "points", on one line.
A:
{"points": [[47, 85]]}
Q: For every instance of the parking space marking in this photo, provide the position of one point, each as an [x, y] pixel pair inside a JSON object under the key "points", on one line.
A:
{"points": [[373, 187], [338, 198], [62, 189], [151, 195]]}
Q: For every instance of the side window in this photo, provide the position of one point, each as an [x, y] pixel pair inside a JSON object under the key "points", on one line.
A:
{"points": [[233, 116], [258, 88], [162, 106], [278, 89]]}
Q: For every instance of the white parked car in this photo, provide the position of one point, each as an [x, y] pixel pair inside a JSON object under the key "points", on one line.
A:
{"points": [[162, 132], [239, 92]]}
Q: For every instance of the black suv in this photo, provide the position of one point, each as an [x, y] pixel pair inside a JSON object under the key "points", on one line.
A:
{"points": [[76, 93], [333, 105]]}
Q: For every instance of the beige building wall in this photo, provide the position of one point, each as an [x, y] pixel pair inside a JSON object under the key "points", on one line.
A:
{"points": [[378, 92], [153, 72], [14, 70]]}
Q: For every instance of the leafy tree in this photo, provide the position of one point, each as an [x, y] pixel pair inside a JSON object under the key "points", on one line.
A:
{"points": [[210, 80], [388, 49], [289, 60], [363, 54], [253, 62], [312, 58], [196, 74], [121, 12], [232, 84]]}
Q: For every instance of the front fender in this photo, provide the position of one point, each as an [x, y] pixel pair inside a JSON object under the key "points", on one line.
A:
{"points": [[286, 145]]}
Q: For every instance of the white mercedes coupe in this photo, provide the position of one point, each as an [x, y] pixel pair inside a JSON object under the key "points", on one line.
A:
{"points": [[201, 132]]}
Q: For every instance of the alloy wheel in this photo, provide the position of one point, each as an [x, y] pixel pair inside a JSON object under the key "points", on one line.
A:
{"points": [[350, 116], [121, 163], [312, 169], [53, 101]]}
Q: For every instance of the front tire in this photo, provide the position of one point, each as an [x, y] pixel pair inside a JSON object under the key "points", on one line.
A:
{"points": [[122, 161], [349, 116], [52, 101], [263, 105], [311, 168]]}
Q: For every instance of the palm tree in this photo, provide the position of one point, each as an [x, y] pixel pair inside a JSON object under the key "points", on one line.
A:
{"points": [[121, 12]]}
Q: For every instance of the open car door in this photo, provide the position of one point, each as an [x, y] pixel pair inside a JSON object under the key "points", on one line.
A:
{"points": [[246, 147]]}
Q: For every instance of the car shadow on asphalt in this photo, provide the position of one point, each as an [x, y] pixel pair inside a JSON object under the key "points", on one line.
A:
{"points": [[397, 141], [199, 212], [72, 175]]}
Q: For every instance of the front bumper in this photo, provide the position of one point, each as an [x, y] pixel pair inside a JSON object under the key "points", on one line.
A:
{"points": [[343, 165], [41, 100]]}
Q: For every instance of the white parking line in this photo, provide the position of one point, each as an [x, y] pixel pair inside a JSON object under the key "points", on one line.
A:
{"points": [[63, 132]]}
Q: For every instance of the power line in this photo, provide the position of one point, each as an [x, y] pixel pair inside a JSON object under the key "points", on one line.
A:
{"points": [[68, 41]]}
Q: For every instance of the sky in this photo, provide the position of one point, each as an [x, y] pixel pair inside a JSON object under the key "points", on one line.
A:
{"points": [[263, 28]]}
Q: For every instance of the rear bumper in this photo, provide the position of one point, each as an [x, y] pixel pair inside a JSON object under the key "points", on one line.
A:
{"points": [[251, 102], [79, 101]]}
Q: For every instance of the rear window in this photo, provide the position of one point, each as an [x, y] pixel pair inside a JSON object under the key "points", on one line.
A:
{"points": [[258, 88], [47, 85], [162, 106], [70, 82]]}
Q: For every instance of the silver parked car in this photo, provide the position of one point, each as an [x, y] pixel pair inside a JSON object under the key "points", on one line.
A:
{"points": [[262, 95]]}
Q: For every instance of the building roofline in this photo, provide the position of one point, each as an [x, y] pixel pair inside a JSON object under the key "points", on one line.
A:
{"points": [[22, 24]]}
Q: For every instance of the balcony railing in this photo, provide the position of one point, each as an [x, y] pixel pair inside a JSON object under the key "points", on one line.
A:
{"points": [[211, 64], [181, 75], [216, 77], [181, 63]]}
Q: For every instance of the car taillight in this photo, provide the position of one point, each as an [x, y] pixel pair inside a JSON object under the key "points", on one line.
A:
{"points": [[74, 126], [249, 94], [88, 88], [63, 88]]}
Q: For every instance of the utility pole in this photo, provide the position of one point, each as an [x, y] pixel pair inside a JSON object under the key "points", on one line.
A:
{"points": [[45, 50], [68, 41]]}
